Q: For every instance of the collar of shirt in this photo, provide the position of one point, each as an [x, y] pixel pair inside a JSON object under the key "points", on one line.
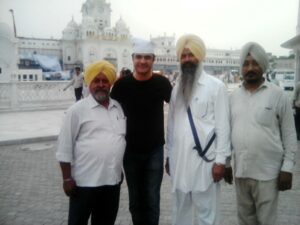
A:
{"points": [[265, 84], [93, 103]]}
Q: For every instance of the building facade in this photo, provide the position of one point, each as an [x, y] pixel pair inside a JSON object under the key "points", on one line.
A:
{"points": [[95, 38], [83, 43]]}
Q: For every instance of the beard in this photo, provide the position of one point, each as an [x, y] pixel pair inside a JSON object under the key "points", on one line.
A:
{"points": [[252, 78], [189, 68], [188, 79], [101, 95]]}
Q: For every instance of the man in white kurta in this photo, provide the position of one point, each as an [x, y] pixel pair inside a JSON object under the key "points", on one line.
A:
{"points": [[90, 150], [195, 184], [263, 140]]}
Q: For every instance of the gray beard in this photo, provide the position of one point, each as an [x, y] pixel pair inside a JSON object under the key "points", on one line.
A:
{"points": [[187, 85]]}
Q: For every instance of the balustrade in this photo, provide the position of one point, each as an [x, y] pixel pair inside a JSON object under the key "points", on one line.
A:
{"points": [[18, 96]]}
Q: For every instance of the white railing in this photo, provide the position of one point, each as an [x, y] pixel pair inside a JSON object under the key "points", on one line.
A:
{"points": [[20, 96]]}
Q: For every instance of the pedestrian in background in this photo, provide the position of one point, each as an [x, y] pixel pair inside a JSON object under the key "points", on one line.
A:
{"points": [[77, 82]]}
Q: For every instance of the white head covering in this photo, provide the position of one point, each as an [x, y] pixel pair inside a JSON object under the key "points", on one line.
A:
{"points": [[193, 43], [257, 52], [141, 46]]}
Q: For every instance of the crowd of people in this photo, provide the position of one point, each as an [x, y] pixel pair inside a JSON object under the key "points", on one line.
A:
{"points": [[117, 132]]}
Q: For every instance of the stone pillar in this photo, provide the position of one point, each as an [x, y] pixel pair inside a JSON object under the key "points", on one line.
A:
{"points": [[297, 70]]}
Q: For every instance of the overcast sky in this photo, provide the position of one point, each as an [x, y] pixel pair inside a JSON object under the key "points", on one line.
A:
{"points": [[225, 24]]}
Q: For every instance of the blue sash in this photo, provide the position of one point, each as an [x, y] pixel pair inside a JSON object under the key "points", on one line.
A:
{"points": [[198, 148]]}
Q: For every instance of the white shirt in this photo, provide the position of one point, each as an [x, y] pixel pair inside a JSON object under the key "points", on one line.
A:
{"points": [[210, 110], [92, 139], [263, 132], [77, 81]]}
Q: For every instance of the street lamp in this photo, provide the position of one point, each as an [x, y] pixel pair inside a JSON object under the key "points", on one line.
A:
{"points": [[13, 17]]}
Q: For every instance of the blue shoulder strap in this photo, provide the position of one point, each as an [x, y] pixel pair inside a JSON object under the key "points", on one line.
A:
{"points": [[198, 148]]}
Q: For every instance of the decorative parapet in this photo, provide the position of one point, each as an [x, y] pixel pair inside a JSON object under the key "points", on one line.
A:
{"points": [[19, 96]]}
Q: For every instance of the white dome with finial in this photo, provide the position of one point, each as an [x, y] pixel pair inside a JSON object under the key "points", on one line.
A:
{"points": [[72, 24], [122, 29], [71, 30], [120, 25]]}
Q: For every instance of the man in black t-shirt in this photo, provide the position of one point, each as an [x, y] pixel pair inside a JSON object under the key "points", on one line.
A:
{"points": [[142, 97]]}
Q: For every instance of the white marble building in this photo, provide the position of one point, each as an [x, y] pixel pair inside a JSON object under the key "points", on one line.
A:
{"points": [[95, 39], [83, 43]]}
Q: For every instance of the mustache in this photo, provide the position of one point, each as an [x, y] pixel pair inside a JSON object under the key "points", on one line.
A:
{"points": [[189, 68], [101, 90], [250, 73]]}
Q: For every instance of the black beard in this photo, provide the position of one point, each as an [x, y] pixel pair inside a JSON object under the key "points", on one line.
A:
{"points": [[189, 68], [252, 81]]}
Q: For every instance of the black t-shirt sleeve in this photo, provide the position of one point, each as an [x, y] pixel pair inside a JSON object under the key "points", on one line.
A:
{"points": [[116, 92], [168, 90]]}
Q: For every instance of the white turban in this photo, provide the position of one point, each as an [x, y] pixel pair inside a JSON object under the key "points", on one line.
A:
{"points": [[141, 46], [193, 43], [257, 52]]}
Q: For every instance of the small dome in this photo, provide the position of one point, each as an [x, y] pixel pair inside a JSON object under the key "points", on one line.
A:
{"points": [[72, 24], [121, 24], [6, 32]]}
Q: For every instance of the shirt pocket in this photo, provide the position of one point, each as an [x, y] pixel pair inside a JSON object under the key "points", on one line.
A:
{"points": [[264, 115], [200, 109], [121, 125]]}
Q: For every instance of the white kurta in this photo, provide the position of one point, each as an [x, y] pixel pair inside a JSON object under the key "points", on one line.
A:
{"points": [[92, 139], [263, 132], [210, 110]]}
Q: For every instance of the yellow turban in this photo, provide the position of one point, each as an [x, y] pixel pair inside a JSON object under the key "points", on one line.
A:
{"points": [[193, 43], [101, 66]]}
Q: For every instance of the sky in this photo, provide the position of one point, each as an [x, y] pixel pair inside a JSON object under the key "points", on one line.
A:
{"points": [[222, 24]]}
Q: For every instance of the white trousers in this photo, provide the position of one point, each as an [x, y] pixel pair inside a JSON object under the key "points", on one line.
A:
{"points": [[203, 206]]}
